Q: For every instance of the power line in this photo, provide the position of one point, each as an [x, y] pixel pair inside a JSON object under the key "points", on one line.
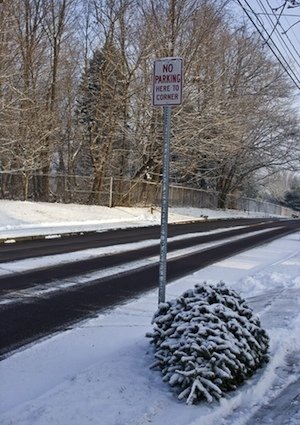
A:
{"points": [[294, 37], [289, 4], [277, 20], [284, 32], [273, 13], [286, 48], [285, 66]]}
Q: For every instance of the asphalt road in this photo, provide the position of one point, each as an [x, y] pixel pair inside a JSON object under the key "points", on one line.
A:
{"points": [[62, 271], [31, 318], [37, 246]]}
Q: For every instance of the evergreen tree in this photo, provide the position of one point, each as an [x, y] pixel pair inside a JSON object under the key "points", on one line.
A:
{"points": [[100, 113], [207, 342], [292, 198]]}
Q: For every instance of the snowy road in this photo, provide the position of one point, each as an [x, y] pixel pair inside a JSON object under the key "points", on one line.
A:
{"points": [[81, 375], [98, 372], [37, 302], [17, 248]]}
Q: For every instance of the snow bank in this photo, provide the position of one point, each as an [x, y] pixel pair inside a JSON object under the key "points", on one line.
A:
{"points": [[23, 218]]}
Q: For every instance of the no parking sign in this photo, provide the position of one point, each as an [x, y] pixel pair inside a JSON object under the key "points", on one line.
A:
{"points": [[167, 82]]}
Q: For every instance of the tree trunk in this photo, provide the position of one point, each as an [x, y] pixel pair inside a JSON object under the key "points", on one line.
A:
{"points": [[222, 199], [95, 194]]}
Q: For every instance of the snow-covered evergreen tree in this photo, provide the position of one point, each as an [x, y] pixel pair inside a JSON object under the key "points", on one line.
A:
{"points": [[207, 342], [100, 113]]}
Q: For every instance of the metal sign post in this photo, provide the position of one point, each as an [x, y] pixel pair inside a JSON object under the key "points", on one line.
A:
{"points": [[164, 207], [167, 92]]}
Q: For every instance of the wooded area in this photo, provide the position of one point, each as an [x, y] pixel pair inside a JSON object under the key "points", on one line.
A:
{"points": [[75, 89]]}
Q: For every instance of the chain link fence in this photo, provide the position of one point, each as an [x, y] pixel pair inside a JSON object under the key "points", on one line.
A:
{"points": [[123, 192]]}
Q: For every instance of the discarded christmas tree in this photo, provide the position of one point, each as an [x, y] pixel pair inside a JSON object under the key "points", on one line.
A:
{"points": [[207, 342]]}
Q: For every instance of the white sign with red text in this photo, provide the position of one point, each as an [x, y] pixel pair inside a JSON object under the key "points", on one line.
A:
{"points": [[167, 82]]}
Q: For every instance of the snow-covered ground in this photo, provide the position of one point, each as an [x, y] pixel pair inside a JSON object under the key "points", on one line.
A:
{"points": [[98, 372], [19, 218]]}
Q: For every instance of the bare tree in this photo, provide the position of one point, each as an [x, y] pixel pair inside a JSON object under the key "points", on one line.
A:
{"points": [[38, 36], [235, 122], [24, 56]]}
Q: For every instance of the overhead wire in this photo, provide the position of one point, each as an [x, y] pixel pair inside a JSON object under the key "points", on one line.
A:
{"points": [[285, 48], [277, 19], [279, 56], [279, 35], [295, 37], [283, 14], [285, 33], [292, 5], [295, 23], [286, 66]]}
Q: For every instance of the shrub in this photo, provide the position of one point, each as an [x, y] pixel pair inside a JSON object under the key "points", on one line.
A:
{"points": [[207, 342]]}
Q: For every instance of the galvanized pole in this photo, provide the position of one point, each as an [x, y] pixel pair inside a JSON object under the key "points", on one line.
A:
{"points": [[164, 207], [166, 92], [111, 192]]}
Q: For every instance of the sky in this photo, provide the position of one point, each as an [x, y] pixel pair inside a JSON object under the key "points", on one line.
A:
{"points": [[98, 372]]}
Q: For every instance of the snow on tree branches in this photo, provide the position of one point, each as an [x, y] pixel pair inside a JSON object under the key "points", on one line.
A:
{"points": [[207, 342]]}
